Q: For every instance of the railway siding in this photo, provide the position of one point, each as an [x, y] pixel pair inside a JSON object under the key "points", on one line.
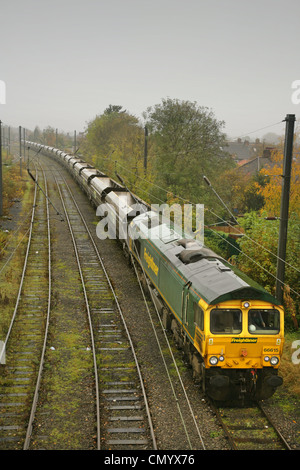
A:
{"points": [[24, 340]]}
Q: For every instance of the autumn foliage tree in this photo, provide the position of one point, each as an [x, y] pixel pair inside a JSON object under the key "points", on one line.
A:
{"points": [[271, 191], [259, 247]]}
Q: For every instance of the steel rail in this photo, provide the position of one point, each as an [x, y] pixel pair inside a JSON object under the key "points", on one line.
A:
{"points": [[30, 403], [38, 382], [232, 439], [88, 314], [223, 425], [279, 434], [121, 316]]}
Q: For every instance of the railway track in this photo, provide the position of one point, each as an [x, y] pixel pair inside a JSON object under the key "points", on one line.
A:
{"points": [[190, 426], [123, 419], [123, 416], [250, 428], [26, 337]]}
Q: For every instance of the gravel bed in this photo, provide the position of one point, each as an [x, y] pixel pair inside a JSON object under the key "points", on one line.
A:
{"points": [[285, 413]]}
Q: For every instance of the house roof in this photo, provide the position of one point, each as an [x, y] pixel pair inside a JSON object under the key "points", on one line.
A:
{"points": [[240, 150]]}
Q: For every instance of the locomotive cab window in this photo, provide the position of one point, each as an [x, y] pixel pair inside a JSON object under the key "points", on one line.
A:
{"points": [[198, 316], [263, 321], [225, 321]]}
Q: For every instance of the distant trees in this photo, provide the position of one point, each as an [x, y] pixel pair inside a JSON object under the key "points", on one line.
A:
{"points": [[115, 141], [48, 136], [114, 131], [112, 108]]}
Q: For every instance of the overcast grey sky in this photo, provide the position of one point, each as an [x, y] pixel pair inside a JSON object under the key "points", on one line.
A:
{"points": [[63, 62]]}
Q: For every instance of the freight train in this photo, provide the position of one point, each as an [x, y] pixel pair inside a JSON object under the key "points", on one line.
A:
{"points": [[230, 328]]}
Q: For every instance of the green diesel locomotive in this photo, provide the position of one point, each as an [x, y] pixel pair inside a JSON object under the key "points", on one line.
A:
{"points": [[230, 328]]}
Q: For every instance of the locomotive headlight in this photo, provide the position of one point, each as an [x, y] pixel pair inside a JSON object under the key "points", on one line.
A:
{"points": [[274, 361], [213, 360], [221, 358], [246, 304], [266, 358]]}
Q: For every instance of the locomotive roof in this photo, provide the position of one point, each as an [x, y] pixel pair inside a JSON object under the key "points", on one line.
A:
{"points": [[211, 276], [217, 281]]}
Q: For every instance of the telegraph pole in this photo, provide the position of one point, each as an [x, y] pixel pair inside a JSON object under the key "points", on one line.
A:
{"points": [[1, 189], [8, 147], [146, 149], [24, 145], [20, 143], [284, 209]]}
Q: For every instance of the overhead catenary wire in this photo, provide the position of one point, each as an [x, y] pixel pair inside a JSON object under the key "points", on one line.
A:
{"points": [[46, 196], [209, 228], [258, 130], [213, 213], [252, 240], [249, 257], [228, 223]]}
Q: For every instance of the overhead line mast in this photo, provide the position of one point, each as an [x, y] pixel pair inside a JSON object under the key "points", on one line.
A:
{"points": [[284, 209], [1, 191]]}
